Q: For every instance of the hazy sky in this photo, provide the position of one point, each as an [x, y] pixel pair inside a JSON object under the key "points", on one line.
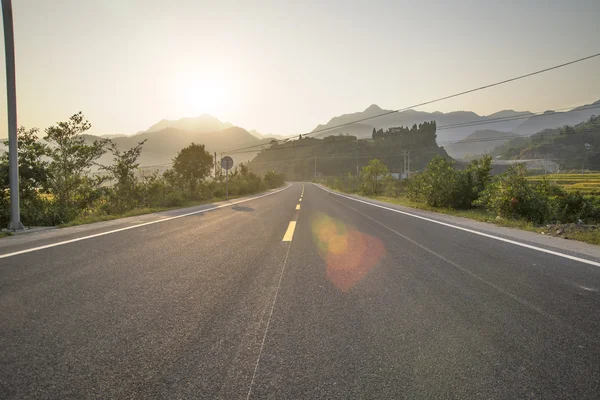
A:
{"points": [[283, 68]]}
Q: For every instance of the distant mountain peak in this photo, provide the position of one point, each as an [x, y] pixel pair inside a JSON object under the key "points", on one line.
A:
{"points": [[373, 107]]}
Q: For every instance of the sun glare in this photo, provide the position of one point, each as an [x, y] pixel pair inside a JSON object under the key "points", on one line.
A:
{"points": [[198, 96]]}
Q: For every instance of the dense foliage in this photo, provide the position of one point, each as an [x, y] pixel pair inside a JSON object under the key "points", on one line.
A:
{"points": [[508, 195], [57, 185], [308, 157]]}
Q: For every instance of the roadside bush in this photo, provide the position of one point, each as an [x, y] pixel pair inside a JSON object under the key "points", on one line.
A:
{"points": [[273, 179], [570, 207], [512, 196], [442, 185]]}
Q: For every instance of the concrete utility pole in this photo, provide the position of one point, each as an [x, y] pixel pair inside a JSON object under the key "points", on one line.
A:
{"points": [[356, 162], [215, 165], [315, 166], [11, 95]]}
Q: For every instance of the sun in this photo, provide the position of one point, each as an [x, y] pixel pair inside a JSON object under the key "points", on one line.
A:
{"points": [[202, 95]]}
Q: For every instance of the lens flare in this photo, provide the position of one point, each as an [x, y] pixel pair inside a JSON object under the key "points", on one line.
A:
{"points": [[348, 253]]}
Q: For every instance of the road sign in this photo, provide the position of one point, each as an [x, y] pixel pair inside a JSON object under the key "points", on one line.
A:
{"points": [[226, 162]]}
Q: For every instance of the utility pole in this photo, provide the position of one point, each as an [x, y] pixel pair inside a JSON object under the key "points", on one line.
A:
{"points": [[315, 166], [215, 165], [356, 162], [408, 164], [11, 95]]}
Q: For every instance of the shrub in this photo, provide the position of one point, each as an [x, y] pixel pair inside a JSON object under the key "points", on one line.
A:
{"points": [[273, 179], [442, 185], [512, 196]]}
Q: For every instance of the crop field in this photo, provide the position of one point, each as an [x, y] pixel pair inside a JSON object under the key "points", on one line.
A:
{"points": [[585, 183]]}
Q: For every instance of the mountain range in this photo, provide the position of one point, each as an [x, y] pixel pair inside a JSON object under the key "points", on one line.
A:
{"points": [[165, 138], [458, 125], [462, 133]]}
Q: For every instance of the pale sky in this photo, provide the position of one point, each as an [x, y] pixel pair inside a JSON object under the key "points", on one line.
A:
{"points": [[283, 68]]}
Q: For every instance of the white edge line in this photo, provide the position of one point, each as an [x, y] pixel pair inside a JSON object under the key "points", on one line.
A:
{"points": [[262, 344], [501, 239], [16, 253]]}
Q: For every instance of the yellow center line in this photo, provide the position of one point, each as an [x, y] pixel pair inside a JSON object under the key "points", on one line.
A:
{"points": [[289, 234], [297, 206], [300, 199]]}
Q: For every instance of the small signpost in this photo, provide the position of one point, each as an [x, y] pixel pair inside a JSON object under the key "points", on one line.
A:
{"points": [[226, 164]]}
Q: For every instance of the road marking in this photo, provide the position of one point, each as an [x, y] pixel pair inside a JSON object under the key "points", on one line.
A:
{"points": [[300, 199], [137, 226], [460, 228], [297, 206], [289, 234], [262, 345]]}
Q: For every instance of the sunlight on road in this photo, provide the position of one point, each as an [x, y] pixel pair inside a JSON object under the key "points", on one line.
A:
{"points": [[348, 253]]}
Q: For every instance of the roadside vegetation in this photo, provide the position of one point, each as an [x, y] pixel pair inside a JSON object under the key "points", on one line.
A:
{"points": [[57, 186], [510, 199]]}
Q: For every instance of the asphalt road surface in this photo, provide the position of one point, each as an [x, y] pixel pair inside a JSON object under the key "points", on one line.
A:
{"points": [[298, 294]]}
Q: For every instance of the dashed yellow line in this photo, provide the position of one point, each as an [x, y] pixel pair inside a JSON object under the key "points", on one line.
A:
{"points": [[297, 206], [300, 199], [289, 234]]}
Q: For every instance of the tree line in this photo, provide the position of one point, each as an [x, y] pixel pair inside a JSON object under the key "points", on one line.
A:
{"points": [[57, 186], [342, 154]]}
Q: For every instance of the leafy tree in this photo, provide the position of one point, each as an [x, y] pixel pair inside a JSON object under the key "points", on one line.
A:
{"points": [[125, 194], [71, 160], [33, 178], [191, 166], [435, 185], [371, 174], [33, 169]]}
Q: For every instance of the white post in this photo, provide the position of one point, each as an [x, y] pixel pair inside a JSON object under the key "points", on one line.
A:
{"points": [[11, 95]]}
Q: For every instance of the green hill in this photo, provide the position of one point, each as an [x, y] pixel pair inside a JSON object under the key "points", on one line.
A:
{"points": [[569, 146], [343, 154]]}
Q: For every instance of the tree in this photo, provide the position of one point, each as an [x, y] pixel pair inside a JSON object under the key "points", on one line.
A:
{"points": [[71, 160], [374, 135], [124, 195], [33, 178], [192, 165], [371, 174], [33, 173]]}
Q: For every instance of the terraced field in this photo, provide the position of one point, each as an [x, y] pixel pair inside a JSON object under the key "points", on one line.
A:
{"points": [[586, 183]]}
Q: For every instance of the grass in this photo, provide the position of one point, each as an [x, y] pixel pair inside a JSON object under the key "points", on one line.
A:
{"points": [[592, 237], [89, 219], [475, 213], [5, 234], [572, 231]]}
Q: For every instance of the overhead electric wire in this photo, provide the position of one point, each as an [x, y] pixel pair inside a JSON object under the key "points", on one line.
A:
{"points": [[438, 99], [493, 138]]}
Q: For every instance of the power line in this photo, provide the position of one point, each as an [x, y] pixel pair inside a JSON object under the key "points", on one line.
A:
{"points": [[441, 98], [516, 117], [493, 138]]}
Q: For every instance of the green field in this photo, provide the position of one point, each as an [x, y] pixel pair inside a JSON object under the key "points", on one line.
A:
{"points": [[584, 183]]}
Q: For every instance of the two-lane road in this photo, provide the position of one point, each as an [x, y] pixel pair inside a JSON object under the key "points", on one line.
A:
{"points": [[300, 293]]}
